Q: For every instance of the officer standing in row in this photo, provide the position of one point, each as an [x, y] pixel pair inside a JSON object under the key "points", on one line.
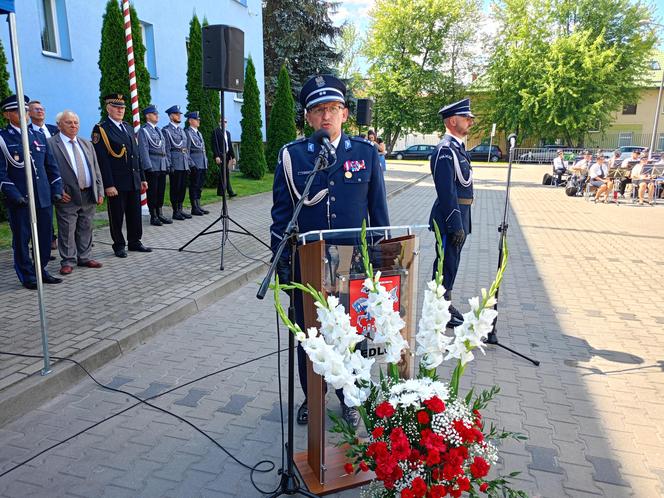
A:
{"points": [[123, 178], [155, 164], [178, 154], [47, 189], [198, 162], [453, 178], [350, 191]]}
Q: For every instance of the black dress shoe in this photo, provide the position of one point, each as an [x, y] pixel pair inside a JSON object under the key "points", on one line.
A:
{"points": [[121, 253], [351, 415], [50, 279], [30, 285], [232, 194], [303, 414], [140, 248]]}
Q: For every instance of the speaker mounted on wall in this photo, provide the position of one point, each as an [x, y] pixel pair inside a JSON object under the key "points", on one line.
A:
{"points": [[223, 58], [363, 113]]}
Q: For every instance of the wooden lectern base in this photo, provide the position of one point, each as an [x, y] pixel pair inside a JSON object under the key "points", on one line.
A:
{"points": [[336, 478]]}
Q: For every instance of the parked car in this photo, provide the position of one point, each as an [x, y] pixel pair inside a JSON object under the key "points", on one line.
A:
{"points": [[481, 153], [626, 150], [413, 152]]}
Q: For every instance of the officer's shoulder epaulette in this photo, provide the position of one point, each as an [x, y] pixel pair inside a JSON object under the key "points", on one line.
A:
{"points": [[361, 140], [446, 142], [299, 140]]}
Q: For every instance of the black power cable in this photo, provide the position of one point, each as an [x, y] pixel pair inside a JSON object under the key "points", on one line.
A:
{"points": [[252, 469]]}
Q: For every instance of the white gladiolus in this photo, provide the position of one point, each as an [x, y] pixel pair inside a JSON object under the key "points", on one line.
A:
{"points": [[431, 338]]}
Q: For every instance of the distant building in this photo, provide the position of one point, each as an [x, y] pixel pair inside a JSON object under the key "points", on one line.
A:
{"points": [[60, 67]]}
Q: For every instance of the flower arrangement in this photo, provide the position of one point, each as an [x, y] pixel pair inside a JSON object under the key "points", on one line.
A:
{"points": [[424, 439]]}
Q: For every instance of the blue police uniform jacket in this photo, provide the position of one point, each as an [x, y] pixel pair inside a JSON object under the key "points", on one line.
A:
{"points": [[45, 172], [152, 149], [176, 147], [118, 158], [196, 145], [449, 188], [350, 191]]}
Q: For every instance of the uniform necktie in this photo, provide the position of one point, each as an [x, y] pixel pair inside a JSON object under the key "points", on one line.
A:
{"points": [[80, 168]]}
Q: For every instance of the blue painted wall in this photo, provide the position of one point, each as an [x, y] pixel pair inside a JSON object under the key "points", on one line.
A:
{"points": [[72, 81]]}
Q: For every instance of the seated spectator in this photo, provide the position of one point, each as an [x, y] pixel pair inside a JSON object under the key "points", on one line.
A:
{"points": [[599, 178], [559, 168], [626, 166], [642, 180]]}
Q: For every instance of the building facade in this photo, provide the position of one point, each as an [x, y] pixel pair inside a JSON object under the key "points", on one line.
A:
{"points": [[59, 50]]}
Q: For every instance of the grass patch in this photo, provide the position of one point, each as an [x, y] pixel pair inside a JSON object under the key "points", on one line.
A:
{"points": [[242, 186]]}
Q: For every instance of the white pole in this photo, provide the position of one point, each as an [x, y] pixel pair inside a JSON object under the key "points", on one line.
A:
{"points": [[28, 167], [493, 132], [658, 109]]}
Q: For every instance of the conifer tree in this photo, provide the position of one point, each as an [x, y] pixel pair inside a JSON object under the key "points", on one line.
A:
{"points": [[113, 59], [252, 151], [281, 128]]}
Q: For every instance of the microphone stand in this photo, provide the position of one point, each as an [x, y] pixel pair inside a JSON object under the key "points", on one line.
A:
{"points": [[502, 229], [290, 484]]}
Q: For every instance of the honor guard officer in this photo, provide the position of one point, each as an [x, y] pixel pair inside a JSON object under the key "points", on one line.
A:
{"points": [[178, 154], [350, 191], [198, 162], [155, 163], [47, 189], [453, 178], [123, 178]]}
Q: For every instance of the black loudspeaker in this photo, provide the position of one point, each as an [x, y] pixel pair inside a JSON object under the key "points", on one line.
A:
{"points": [[223, 58], [364, 112]]}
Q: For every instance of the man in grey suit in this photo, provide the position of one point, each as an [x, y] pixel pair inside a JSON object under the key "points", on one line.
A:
{"points": [[83, 191]]}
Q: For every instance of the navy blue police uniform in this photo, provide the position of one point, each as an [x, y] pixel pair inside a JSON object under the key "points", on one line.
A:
{"points": [[453, 178], [350, 191], [118, 157], [47, 188]]}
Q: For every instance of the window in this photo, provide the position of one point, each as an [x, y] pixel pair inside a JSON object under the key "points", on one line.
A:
{"points": [[625, 138], [239, 96], [147, 32], [54, 28], [629, 109]]}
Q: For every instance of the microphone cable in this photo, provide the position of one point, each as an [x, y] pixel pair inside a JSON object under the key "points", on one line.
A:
{"points": [[252, 469]]}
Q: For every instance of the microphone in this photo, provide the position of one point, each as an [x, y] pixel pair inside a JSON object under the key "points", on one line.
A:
{"points": [[512, 140], [322, 138]]}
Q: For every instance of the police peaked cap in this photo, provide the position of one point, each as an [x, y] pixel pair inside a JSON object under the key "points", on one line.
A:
{"points": [[115, 99], [174, 109], [322, 88], [193, 115], [11, 103], [461, 108], [151, 109]]}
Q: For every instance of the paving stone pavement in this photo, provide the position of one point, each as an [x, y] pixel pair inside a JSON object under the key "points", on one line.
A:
{"points": [[581, 294], [124, 293]]}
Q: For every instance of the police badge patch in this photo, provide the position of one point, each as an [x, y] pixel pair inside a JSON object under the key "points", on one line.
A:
{"points": [[320, 81], [95, 138]]}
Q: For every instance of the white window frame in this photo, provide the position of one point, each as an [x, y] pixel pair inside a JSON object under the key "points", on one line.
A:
{"points": [[56, 30]]}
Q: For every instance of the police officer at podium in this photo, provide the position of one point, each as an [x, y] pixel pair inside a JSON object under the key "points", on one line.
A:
{"points": [[118, 157], [453, 177], [349, 192]]}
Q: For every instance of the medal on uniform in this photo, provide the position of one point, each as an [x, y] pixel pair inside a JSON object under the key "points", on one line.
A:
{"points": [[38, 149], [15, 157], [348, 174]]}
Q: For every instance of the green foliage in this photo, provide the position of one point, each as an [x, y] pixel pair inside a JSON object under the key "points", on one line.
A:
{"points": [[281, 128], [113, 59], [417, 66], [561, 69], [299, 34], [207, 102], [252, 152]]}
